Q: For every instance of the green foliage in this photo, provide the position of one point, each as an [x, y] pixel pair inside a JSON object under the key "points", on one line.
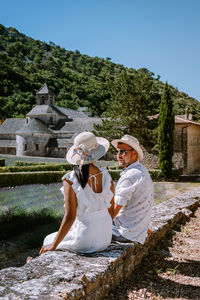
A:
{"points": [[33, 177], [157, 175], [76, 79], [23, 178], [38, 167], [28, 163], [115, 175], [2, 162], [166, 133], [134, 98], [15, 220]]}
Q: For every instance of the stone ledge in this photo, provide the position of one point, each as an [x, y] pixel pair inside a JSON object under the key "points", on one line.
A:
{"points": [[65, 275]]}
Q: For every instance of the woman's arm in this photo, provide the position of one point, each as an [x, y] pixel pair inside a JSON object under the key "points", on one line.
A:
{"points": [[111, 208], [68, 219]]}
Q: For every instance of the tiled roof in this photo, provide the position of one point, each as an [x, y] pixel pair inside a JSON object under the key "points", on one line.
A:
{"points": [[71, 113], [44, 90], [39, 110], [34, 126], [11, 126], [179, 120], [80, 124]]}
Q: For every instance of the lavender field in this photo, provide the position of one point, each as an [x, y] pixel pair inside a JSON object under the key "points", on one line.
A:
{"points": [[38, 196]]}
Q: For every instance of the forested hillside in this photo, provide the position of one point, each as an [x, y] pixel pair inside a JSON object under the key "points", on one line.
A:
{"points": [[76, 79]]}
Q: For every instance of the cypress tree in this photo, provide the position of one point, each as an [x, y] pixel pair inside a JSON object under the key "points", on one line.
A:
{"points": [[166, 132]]}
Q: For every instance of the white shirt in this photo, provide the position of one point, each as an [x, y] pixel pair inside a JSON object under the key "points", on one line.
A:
{"points": [[135, 193]]}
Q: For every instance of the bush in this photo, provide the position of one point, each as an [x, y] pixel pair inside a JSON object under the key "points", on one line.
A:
{"points": [[115, 175], [23, 178], [28, 163], [2, 162], [15, 220], [157, 175], [35, 168]]}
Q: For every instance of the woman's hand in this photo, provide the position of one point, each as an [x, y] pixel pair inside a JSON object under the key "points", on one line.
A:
{"points": [[46, 248]]}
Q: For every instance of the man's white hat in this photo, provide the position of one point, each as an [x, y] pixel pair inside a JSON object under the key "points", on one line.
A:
{"points": [[131, 141], [87, 148]]}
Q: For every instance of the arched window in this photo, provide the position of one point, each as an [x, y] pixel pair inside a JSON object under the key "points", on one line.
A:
{"points": [[25, 147], [37, 147]]}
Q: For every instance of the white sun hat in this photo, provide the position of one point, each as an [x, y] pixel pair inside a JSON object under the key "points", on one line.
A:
{"points": [[132, 142], [87, 148]]}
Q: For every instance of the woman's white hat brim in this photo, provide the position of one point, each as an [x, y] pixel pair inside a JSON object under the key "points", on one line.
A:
{"points": [[132, 142], [97, 153]]}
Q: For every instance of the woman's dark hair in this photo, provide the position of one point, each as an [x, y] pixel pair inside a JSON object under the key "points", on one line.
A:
{"points": [[82, 174]]}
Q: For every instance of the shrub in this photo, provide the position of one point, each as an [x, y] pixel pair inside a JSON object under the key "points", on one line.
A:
{"points": [[2, 162], [34, 168], [16, 220], [28, 163], [115, 175], [23, 178], [157, 175]]}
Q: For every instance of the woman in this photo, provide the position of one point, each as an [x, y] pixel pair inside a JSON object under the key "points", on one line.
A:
{"points": [[89, 198]]}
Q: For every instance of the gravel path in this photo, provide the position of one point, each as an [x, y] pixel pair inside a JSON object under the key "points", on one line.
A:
{"points": [[171, 270]]}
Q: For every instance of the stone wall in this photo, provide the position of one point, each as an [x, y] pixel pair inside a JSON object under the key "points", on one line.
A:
{"points": [[193, 165], [65, 275]]}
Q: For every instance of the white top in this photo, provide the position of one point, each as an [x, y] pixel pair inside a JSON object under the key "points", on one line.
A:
{"points": [[135, 193], [92, 229]]}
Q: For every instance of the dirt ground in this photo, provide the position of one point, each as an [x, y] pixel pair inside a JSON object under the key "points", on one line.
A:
{"points": [[170, 271]]}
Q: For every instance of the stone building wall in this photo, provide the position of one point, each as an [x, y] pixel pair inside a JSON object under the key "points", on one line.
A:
{"points": [[193, 164], [8, 150], [29, 145]]}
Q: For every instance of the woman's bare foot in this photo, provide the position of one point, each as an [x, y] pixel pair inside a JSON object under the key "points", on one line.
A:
{"points": [[29, 259]]}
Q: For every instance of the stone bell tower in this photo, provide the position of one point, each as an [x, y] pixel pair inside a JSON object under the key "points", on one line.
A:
{"points": [[45, 96]]}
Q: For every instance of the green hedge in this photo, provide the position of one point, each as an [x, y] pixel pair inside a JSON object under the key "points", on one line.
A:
{"points": [[2, 162], [23, 178], [28, 163], [16, 220], [48, 167], [45, 177], [157, 175]]}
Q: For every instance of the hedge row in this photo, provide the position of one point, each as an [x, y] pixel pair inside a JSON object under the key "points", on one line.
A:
{"points": [[28, 163], [23, 178], [48, 167], [14, 220], [2, 162], [45, 177], [157, 175]]}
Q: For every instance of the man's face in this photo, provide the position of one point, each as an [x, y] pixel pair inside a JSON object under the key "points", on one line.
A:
{"points": [[126, 155]]}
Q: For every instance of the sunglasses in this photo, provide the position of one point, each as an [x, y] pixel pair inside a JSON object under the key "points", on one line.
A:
{"points": [[123, 152]]}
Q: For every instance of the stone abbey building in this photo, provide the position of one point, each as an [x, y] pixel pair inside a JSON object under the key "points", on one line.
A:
{"points": [[47, 130]]}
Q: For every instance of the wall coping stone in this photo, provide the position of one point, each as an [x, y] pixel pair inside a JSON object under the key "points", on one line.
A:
{"points": [[65, 275]]}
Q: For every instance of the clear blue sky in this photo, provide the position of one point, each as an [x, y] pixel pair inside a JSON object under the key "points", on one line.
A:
{"points": [[162, 36]]}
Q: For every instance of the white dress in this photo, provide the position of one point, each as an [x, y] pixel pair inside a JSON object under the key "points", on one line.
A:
{"points": [[92, 228]]}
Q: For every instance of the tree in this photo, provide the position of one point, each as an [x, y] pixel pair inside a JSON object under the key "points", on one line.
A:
{"points": [[166, 132], [133, 99]]}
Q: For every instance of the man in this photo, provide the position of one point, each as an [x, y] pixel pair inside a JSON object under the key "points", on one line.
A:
{"points": [[134, 194]]}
